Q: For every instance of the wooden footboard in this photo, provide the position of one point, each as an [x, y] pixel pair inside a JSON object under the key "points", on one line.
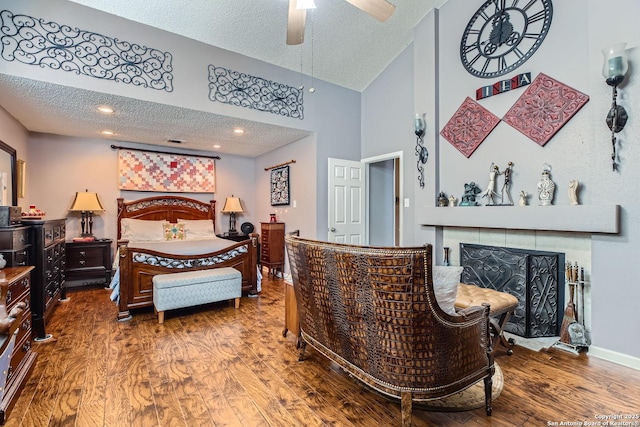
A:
{"points": [[138, 266]]}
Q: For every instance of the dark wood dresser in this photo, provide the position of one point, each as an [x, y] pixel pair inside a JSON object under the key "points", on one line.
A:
{"points": [[272, 246], [89, 262], [47, 254], [16, 288]]}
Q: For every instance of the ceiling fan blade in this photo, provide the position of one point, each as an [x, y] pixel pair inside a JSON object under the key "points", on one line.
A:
{"points": [[295, 24], [379, 9]]}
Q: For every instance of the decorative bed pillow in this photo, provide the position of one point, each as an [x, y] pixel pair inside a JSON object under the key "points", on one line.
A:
{"points": [[445, 286], [198, 228], [141, 230], [174, 231]]}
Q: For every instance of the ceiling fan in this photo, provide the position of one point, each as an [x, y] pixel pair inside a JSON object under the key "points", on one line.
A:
{"points": [[379, 9]]}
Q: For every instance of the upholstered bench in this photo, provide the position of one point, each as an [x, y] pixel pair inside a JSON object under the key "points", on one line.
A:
{"points": [[502, 305], [190, 288]]}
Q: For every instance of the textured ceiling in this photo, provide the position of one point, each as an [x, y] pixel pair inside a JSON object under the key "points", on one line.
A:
{"points": [[348, 47]]}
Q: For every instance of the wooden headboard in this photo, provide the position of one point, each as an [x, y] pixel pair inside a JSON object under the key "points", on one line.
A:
{"points": [[168, 208]]}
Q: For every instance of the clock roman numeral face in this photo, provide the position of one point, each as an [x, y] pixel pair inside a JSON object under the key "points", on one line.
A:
{"points": [[503, 34]]}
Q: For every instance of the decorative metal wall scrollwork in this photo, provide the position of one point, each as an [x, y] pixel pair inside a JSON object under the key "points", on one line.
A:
{"points": [[244, 90], [33, 41]]}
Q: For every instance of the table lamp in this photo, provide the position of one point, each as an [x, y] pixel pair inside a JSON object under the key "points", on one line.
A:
{"points": [[86, 203], [232, 206]]}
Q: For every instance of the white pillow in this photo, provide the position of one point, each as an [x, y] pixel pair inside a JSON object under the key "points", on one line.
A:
{"points": [[198, 228], [445, 286], [141, 230]]}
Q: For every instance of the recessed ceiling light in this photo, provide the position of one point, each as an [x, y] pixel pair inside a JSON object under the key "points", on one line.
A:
{"points": [[105, 109], [217, 146], [107, 132], [238, 131]]}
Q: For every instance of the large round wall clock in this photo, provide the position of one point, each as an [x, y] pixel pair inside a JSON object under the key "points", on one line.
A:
{"points": [[500, 37]]}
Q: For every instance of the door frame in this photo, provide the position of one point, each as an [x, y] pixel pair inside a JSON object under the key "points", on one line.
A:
{"points": [[400, 185]]}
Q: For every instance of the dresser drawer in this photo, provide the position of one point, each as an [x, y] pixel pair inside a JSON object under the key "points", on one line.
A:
{"points": [[25, 326], [85, 258], [14, 238], [18, 291], [22, 348]]}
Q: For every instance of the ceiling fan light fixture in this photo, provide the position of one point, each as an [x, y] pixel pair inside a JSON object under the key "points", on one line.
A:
{"points": [[305, 4]]}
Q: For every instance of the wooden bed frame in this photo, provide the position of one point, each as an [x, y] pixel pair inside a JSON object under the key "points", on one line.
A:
{"points": [[137, 266]]}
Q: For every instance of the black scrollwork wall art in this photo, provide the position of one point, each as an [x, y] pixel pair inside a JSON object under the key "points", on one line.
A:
{"points": [[280, 186], [244, 90], [36, 42]]}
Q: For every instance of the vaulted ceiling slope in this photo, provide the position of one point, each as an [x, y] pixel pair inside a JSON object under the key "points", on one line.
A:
{"points": [[350, 48]]}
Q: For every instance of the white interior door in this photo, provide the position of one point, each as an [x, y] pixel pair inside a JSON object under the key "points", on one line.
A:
{"points": [[346, 202]]}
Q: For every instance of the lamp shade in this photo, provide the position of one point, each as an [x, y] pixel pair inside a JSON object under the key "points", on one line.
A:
{"points": [[86, 202], [232, 205]]}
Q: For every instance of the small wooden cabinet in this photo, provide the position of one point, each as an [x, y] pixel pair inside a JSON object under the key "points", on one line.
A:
{"points": [[89, 262], [272, 246], [16, 288]]}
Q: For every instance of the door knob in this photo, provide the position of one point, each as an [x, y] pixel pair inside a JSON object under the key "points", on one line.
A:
{"points": [[332, 229]]}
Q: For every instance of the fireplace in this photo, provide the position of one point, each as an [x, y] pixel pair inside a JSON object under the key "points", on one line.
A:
{"points": [[536, 278]]}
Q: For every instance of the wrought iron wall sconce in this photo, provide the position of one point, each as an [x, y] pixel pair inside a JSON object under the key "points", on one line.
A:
{"points": [[419, 128], [614, 69]]}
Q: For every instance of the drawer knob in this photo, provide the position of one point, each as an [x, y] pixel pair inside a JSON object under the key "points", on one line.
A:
{"points": [[82, 262], [82, 253]]}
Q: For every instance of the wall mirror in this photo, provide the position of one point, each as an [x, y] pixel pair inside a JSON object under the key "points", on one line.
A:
{"points": [[8, 179]]}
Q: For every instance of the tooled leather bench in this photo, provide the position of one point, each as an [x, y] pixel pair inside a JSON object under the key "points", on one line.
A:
{"points": [[502, 306]]}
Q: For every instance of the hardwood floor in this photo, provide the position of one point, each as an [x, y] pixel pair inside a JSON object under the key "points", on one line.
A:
{"points": [[217, 366]]}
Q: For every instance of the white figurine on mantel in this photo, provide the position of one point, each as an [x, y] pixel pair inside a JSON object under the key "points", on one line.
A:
{"points": [[452, 200], [523, 198], [573, 192], [546, 187]]}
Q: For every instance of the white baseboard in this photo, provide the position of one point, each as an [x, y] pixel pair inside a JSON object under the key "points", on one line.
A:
{"points": [[615, 357]]}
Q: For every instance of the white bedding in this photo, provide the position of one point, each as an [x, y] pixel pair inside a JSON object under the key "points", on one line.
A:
{"points": [[174, 247]]}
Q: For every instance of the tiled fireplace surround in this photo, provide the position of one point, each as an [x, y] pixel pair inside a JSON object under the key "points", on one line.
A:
{"points": [[565, 229]]}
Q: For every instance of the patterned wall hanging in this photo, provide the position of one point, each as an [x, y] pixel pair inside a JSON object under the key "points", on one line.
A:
{"points": [[469, 126], [48, 44], [244, 90], [543, 108], [165, 172], [280, 186]]}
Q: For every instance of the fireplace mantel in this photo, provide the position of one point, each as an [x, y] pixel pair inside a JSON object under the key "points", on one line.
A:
{"points": [[579, 218]]}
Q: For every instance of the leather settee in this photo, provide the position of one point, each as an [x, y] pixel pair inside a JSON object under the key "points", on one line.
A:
{"points": [[373, 311]]}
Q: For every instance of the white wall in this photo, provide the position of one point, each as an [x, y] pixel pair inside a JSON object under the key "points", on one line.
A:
{"points": [[387, 127]]}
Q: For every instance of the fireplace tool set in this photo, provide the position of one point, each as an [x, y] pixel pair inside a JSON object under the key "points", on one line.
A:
{"points": [[573, 333]]}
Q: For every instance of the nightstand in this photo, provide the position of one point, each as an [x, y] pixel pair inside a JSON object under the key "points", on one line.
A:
{"points": [[89, 262], [235, 237]]}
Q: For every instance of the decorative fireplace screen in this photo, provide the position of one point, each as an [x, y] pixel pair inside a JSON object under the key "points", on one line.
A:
{"points": [[536, 278]]}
